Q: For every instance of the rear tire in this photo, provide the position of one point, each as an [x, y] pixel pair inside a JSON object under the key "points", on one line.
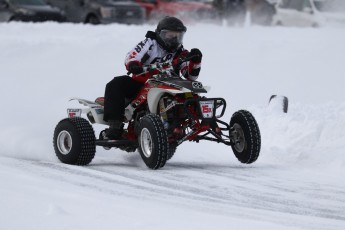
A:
{"points": [[245, 135], [74, 141], [153, 141]]}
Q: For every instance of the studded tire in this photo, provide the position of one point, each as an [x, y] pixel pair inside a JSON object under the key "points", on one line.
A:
{"points": [[172, 150], [74, 141], [172, 146], [153, 141], [246, 136]]}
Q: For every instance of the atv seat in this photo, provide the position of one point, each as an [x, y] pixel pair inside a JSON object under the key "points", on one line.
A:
{"points": [[100, 101]]}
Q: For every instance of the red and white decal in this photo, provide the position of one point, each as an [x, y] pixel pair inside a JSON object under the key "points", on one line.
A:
{"points": [[207, 108], [73, 113]]}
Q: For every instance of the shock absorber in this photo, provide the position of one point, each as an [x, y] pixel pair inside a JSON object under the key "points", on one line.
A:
{"points": [[163, 112]]}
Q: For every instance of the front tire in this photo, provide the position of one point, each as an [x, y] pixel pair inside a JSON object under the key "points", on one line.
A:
{"points": [[93, 20], [245, 135], [153, 141], [172, 150], [162, 104], [74, 141]]}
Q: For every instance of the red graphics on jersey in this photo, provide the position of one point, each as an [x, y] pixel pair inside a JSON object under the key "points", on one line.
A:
{"points": [[133, 55]]}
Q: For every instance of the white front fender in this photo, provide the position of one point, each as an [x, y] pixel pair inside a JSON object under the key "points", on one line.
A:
{"points": [[155, 94]]}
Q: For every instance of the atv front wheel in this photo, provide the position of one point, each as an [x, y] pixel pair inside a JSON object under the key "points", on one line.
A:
{"points": [[153, 141], [172, 150], [162, 105], [74, 141], [245, 135]]}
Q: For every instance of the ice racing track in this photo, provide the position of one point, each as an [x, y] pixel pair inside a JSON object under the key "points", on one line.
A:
{"points": [[259, 193]]}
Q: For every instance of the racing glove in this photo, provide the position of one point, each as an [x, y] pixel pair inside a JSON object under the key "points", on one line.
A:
{"points": [[197, 53], [135, 67]]}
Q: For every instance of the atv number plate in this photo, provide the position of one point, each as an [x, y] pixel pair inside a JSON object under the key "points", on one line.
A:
{"points": [[207, 108], [73, 113]]}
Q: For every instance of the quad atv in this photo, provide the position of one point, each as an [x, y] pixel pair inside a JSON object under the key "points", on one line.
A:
{"points": [[167, 112]]}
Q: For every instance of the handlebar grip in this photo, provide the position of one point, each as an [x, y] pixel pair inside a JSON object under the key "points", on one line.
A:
{"points": [[185, 59]]}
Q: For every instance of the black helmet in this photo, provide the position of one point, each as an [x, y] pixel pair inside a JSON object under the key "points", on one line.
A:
{"points": [[170, 31], [171, 23]]}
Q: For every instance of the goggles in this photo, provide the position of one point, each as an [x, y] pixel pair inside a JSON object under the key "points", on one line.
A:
{"points": [[169, 35]]}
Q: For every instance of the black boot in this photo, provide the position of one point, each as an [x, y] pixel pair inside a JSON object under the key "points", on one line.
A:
{"points": [[115, 130]]}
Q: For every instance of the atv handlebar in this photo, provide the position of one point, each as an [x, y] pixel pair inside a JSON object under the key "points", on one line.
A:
{"points": [[165, 67], [161, 67]]}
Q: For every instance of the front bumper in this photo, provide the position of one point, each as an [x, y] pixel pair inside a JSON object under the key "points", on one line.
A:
{"points": [[205, 108], [40, 17]]}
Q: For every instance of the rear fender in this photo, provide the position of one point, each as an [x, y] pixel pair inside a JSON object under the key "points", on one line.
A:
{"points": [[94, 111]]}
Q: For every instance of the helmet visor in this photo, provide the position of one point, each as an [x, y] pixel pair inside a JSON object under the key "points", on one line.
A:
{"points": [[172, 39]]}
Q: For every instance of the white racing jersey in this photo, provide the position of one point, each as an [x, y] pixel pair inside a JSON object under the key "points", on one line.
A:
{"points": [[149, 51]]}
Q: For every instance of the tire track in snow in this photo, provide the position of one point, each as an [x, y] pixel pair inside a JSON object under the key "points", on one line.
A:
{"points": [[197, 187]]}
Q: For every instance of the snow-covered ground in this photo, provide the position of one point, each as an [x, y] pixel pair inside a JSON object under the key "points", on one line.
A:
{"points": [[297, 182]]}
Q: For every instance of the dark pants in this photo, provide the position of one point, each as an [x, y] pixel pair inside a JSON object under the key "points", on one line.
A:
{"points": [[115, 93]]}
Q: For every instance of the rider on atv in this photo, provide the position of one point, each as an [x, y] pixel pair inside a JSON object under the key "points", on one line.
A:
{"points": [[165, 44], [160, 109]]}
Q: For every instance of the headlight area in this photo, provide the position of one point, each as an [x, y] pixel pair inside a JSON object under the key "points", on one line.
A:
{"points": [[25, 12]]}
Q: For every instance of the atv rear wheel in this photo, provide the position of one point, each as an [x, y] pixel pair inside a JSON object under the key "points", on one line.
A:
{"points": [[153, 141], [245, 135], [74, 141]]}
